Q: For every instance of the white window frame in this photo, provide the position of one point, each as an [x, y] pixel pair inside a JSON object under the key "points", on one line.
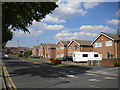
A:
{"points": [[62, 47], [70, 48], [98, 44], [76, 48], [108, 43]]}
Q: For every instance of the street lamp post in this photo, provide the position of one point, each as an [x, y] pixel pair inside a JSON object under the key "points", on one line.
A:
{"points": [[18, 49], [37, 49]]}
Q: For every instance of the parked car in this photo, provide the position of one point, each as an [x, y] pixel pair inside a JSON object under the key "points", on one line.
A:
{"points": [[67, 58], [5, 56]]}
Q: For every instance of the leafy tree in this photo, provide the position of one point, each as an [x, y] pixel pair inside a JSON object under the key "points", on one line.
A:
{"points": [[20, 15], [28, 53]]}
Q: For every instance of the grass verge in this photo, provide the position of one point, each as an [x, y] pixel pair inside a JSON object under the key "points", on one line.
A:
{"points": [[67, 65], [33, 61]]}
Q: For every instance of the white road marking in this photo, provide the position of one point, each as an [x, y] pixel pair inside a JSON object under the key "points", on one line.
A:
{"points": [[91, 74], [109, 78], [93, 86], [114, 68], [92, 80], [61, 77], [71, 76]]}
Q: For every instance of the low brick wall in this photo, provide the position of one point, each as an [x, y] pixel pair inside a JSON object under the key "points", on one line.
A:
{"points": [[110, 62]]}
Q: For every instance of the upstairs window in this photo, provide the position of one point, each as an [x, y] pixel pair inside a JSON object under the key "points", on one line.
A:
{"points": [[76, 47], [70, 48], [58, 48], [98, 44], [108, 43], [62, 47]]}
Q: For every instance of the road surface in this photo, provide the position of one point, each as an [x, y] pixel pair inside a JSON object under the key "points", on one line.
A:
{"points": [[31, 75]]}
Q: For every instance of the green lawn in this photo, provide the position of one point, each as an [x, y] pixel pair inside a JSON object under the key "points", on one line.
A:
{"points": [[67, 65], [33, 61]]}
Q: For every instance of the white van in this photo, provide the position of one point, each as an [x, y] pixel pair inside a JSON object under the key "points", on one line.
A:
{"points": [[86, 56]]}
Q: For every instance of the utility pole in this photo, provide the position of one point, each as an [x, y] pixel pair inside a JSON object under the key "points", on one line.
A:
{"points": [[18, 48], [37, 49]]}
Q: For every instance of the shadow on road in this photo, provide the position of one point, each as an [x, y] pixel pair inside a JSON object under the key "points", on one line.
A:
{"points": [[48, 71]]}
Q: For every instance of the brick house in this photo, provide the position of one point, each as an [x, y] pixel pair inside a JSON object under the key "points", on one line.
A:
{"points": [[35, 51], [41, 51], [61, 48], [50, 51], [79, 45], [108, 45]]}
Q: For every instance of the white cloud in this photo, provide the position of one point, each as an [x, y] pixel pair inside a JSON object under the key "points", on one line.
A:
{"points": [[113, 21], [55, 27], [37, 28], [118, 13], [13, 44], [86, 32], [96, 29], [68, 9], [66, 35], [90, 4], [32, 33], [53, 19]]}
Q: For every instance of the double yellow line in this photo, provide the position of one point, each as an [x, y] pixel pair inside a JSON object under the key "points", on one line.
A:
{"points": [[8, 81]]}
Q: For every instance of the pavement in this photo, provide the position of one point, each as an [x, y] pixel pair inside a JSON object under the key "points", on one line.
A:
{"points": [[2, 84], [44, 75], [1, 74], [98, 69]]}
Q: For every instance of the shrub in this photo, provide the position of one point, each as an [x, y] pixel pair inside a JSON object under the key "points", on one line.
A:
{"points": [[117, 64]]}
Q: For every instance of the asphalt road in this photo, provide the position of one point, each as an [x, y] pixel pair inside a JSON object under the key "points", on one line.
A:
{"points": [[30, 75]]}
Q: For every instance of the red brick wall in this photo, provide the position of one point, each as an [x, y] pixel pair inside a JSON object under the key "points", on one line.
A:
{"points": [[73, 50], [47, 52], [61, 51], [118, 49], [86, 49], [65, 51], [109, 62], [105, 49], [52, 53], [81, 48], [41, 51]]}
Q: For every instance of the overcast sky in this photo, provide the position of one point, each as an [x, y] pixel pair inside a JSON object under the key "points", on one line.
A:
{"points": [[71, 20]]}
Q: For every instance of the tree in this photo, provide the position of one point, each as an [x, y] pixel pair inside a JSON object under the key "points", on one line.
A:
{"points": [[6, 35], [28, 53], [20, 15]]}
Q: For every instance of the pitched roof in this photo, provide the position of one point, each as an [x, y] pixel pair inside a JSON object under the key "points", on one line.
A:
{"points": [[43, 44], [65, 42], [81, 42], [113, 37], [51, 45]]}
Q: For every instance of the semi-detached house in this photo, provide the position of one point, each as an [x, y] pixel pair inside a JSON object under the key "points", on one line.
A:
{"points": [[42, 50], [108, 45], [61, 49], [79, 45], [50, 51]]}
